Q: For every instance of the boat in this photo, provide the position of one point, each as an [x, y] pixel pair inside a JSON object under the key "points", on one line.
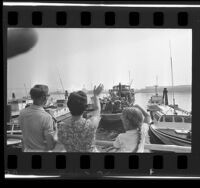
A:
{"points": [[156, 99], [119, 98], [16, 105], [170, 125]]}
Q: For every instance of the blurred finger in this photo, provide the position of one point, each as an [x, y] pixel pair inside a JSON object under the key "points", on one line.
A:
{"points": [[20, 41]]}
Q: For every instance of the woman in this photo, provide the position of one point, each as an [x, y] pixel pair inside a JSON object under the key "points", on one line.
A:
{"points": [[77, 134]]}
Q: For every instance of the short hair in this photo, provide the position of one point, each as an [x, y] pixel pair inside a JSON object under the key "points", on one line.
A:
{"points": [[39, 91], [132, 118], [77, 103]]}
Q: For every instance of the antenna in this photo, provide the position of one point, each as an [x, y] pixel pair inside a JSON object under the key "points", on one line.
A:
{"points": [[172, 74]]}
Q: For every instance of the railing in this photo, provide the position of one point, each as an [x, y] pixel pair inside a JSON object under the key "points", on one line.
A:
{"points": [[153, 147], [168, 148], [14, 136]]}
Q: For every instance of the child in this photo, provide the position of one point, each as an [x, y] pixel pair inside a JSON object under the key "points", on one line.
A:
{"points": [[133, 139]]}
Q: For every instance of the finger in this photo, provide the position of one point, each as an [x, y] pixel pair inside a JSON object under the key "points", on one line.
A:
{"points": [[20, 41]]}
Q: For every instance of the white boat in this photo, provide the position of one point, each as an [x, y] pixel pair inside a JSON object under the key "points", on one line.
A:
{"points": [[170, 125], [166, 117], [156, 99], [16, 105]]}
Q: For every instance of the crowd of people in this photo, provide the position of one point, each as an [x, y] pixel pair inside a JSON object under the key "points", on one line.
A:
{"points": [[77, 133]]}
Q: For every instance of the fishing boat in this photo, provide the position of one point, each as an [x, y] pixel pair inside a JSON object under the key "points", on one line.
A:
{"points": [[170, 125], [120, 96]]}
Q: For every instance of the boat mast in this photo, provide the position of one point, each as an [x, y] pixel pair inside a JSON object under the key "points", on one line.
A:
{"points": [[172, 74], [25, 90], [130, 80], [156, 86], [60, 80]]}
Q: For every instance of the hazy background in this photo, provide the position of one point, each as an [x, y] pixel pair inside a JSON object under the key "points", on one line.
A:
{"points": [[84, 57]]}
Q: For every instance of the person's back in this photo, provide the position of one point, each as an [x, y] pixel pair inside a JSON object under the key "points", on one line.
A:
{"points": [[133, 139], [77, 135], [34, 122]]}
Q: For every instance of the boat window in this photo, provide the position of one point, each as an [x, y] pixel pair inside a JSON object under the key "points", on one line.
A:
{"points": [[156, 116], [187, 120], [178, 119], [168, 119], [161, 119]]}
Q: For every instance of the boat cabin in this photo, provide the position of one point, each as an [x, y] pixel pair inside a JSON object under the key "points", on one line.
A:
{"points": [[171, 119], [122, 87], [156, 99], [16, 105], [61, 103], [121, 90]]}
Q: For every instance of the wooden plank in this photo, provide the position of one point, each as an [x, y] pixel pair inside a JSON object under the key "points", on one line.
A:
{"points": [[169, 148], [103, 143], [154, 147], [14, 136], [13, 141]]}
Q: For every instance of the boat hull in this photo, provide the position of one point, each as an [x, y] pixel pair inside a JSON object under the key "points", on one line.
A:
{"points": [[111, 117], [159, 136]]}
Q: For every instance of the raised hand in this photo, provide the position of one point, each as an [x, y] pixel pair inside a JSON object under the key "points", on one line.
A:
{"points": [[97, 90]]}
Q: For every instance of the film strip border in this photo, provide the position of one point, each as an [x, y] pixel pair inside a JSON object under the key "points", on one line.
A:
{"points": [[88, 17], [104, 165], [94, 164]]}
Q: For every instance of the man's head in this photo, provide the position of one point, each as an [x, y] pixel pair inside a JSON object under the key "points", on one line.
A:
{"points": [[39, 94], [77, 103]]}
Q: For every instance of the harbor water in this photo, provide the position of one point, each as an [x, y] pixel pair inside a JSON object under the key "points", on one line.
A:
{"points": [[183, 99]]}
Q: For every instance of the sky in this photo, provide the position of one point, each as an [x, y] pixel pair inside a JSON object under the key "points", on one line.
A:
{"points": [[82, 57]]}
